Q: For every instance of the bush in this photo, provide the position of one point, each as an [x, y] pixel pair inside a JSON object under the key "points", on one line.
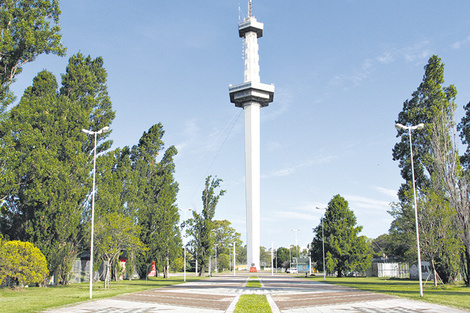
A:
{"points": [[21, 263]]}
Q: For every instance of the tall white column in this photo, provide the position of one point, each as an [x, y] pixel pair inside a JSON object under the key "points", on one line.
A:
{"points": [[252, 159]]}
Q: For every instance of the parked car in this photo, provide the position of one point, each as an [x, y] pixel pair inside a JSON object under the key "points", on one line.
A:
{"points": [[292, 270]]}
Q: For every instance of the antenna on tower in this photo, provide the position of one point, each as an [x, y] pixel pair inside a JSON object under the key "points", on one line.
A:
{"points": [[250, 10], [239, 13]]}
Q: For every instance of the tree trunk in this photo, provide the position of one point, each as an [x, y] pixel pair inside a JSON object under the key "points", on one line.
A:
{"points": [[107, 273], [166, 267], [434, 272], [466, 277], [340, 273]]}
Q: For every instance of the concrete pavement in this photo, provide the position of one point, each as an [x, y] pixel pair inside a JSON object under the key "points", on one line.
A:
{"points": [[285, 294]]}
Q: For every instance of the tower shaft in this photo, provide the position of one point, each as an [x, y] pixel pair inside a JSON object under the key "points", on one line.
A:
{"points": [[252, 183]]}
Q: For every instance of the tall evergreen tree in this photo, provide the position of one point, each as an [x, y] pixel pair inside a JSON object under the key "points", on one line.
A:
{"points": [[434, 151], [165, 190], [154, 200], [345, 250]]}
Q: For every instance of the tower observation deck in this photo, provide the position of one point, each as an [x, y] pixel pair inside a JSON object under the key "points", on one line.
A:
{"points": [[251, 95]]}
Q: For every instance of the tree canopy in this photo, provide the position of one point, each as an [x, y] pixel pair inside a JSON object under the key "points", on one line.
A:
{"points": [[29, 29]]}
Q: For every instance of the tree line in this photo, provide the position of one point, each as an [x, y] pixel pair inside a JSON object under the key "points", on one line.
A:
{"points": [[442, 179], [46, 162]]}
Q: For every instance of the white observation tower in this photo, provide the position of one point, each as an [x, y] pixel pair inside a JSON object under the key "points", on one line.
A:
{"points": [[251, 96]]}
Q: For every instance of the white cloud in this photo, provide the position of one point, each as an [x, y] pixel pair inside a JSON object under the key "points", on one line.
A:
{"points": [[283, 100], [304, 212], [412, 53], [386, 57], [291, 169], [392, 193], [294, 215], [415, 52], [356, 77], [458, 44], [369, 204], [190, 131]]}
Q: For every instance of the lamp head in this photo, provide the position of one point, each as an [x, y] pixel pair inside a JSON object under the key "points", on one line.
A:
{"points": [[400, 126], [103, 130]]}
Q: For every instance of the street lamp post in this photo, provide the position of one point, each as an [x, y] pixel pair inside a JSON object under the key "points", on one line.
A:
{"points": [[234, 259], [103, 130], [216, 267], [410, 128], [184, 241], [290, 256], [277, 256], [323, 245], [272, 258]]}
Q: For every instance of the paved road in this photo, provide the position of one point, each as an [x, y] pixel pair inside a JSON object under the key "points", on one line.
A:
{"points": [[285, 294]]}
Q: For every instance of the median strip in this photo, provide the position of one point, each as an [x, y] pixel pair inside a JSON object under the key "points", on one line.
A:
{"points": [[253, 303]]}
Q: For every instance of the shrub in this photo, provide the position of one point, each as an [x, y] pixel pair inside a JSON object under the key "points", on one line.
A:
{"points": [[21, 263]]}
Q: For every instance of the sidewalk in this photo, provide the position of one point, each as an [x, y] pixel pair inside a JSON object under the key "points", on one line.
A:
{"points": [[285, 294]]}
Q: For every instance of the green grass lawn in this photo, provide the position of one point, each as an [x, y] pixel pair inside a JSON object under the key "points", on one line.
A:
{"points": [[253, 282], [253, 303], [450, 295], [36, 299]]}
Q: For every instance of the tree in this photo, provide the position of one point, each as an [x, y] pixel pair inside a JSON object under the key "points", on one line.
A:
{"points": [[437, 174], [281, 257], [115, 233], [438, 237], [27, 32], [48, 170], [241, 254], [224, 236], [154, 199], [378, 246], [201, 225], [21, 262], [345, 250], [265, 256]]}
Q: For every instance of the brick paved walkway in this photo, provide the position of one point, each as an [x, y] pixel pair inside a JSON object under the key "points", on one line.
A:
{"points": [[285, 294]]}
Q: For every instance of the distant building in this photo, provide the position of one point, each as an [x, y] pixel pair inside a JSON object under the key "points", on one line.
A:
{"points": [[385, 267]]}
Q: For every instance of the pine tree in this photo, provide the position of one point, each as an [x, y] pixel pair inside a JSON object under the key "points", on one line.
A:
{"points": [[345, 250]]}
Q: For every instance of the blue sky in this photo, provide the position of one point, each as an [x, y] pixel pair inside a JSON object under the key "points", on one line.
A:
{"points": [[342, 70]]}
